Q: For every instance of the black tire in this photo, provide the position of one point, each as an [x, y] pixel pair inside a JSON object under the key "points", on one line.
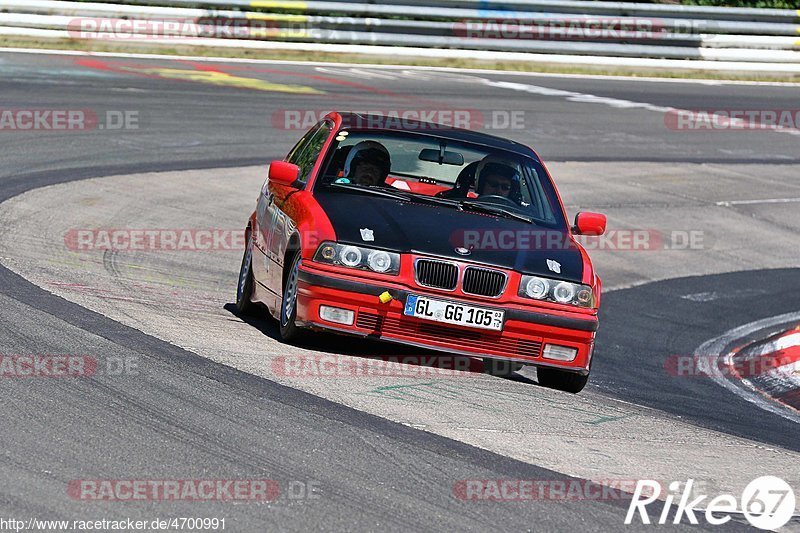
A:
{"points": [[499, 367], [561, 380], [244, 287], [288, 311]]}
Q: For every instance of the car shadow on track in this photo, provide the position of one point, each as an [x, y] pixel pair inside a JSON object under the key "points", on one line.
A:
{"points": [[330, 343]]}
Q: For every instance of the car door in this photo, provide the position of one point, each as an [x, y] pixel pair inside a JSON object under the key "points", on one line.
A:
{"points": [[280, 224], [263, 261]]}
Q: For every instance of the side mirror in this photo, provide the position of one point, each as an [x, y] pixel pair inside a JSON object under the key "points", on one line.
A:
{"points": [[589, 224], [283, 173]]}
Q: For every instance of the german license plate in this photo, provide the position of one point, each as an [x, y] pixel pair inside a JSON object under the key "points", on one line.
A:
{"points": [[453, 313]]}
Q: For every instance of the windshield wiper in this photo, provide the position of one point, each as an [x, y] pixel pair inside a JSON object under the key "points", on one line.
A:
{"points": [[399, 194], [494, 210], [422, 198], [369, 189]]}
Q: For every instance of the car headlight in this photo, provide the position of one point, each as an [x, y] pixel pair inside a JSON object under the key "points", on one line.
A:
{"points": [[536, 288], [350, 256], [552, 290], [379, 261], [359, 257], [564, 292]]}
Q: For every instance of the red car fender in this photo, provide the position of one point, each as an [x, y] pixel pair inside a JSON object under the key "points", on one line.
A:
{"points": [[590, 277], [313, 225], [311, 222]]}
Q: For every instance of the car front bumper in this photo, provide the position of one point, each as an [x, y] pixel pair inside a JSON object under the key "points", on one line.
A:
{"points": [[524, 335]]}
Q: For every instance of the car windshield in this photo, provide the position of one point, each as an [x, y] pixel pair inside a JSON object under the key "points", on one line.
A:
{"points": [[425, 167]]}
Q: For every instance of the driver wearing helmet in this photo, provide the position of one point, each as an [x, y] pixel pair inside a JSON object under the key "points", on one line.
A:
{"points": [[498, 177], [368, 163]]}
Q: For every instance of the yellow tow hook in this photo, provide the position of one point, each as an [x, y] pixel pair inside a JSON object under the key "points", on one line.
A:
{"points": [[385, 297]]}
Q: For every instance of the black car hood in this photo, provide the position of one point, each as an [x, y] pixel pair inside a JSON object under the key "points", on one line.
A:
{"points": [[438, 230]]}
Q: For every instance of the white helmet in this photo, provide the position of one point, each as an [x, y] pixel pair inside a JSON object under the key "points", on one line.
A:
{"points": [[371, 151], [493, 164]]}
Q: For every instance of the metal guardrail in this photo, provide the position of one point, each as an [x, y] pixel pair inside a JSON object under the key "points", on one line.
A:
{"points": [[517, 6], [626, 9], [620, 9], [733, 34], [492, 9], [427, 12], [671, 25]]}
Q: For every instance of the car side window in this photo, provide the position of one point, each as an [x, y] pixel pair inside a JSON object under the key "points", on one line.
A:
{"points": [[302, 143], [305, 154]]}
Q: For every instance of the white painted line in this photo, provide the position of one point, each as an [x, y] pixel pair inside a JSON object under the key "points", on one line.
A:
{"points": [[617, 103], [360, 72], [784, 376], [211, 59], [579, 97], [352, 72], [728, 203], [787, 341]]}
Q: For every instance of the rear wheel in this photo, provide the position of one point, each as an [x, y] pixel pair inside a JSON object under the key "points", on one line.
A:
{"points": [[244, 290], [500, 367], [561, 380], [289, 331]]}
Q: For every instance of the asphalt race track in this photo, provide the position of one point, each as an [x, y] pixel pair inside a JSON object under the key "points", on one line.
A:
{"points": [[188, 390]]}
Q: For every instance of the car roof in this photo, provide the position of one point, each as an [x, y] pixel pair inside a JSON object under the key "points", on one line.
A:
{"points": [[374, 122]]}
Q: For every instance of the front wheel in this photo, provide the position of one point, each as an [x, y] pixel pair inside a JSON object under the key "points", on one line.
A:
{"points": [[289, 331], [244, 289], [561, 380]]}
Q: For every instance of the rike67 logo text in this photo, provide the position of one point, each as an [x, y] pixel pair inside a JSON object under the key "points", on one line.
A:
{"points": [[766, 502]]}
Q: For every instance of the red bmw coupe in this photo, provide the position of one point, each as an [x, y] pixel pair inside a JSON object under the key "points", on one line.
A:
{"points": [[426, 235]]}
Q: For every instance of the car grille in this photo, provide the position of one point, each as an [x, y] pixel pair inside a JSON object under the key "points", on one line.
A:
{"points": [[369, 321], [488, 341], [529, 348], [483, 282], [437, 274]]}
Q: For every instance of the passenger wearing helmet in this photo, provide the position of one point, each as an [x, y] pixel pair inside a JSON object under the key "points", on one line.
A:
{"points": [[496, 177], [368, 163]]}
